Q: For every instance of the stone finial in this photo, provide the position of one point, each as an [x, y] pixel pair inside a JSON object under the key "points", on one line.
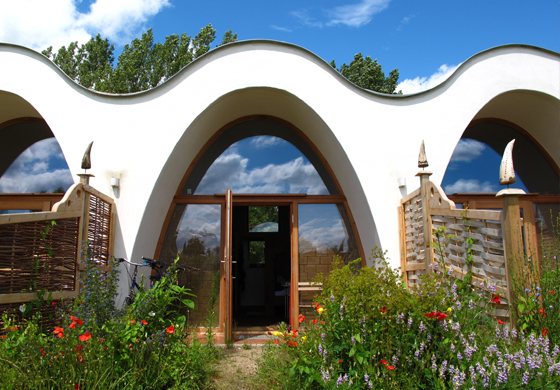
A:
{"points": [[86, 160], [507, 174], [422, 160]]}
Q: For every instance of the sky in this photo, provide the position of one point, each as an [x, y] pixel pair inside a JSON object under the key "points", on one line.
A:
{"points": [[425, 40]]}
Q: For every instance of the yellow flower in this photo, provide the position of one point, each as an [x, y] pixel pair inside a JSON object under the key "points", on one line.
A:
{"points": [[450, 309], [304, 339], [276, 333], [320, 310]]}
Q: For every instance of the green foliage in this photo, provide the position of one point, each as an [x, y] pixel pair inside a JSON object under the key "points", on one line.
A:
{"points": [[96, 346], [372, 332], [211, 316], [537, 288], [368, 74], [142, 64]]}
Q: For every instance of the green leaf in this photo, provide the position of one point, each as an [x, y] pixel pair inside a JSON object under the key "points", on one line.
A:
{"points": [[521, 307], [360, 358], [352, 352]]}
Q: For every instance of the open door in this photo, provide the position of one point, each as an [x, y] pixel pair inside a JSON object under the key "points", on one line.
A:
{"points": [[226, 269]]}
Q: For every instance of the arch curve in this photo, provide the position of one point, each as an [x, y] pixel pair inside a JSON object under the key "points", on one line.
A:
{"points": [[250, 102]]}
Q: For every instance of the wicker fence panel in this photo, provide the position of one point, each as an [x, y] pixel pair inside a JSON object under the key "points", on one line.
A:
{"points": [[99, 228], [414, 264], [482, 226], [32, 259]]}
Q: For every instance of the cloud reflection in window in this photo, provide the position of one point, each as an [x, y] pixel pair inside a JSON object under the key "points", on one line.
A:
{"points": [[265, 165]]}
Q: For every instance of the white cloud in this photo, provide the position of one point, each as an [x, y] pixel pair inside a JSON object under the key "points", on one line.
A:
{"points": [[278, 28], [261, 142], [304, 18], [356, 15], [230, 170], [32, 171], [467, 150], [405, 21], [38, 23], [419, 84], [28, 182], [470, 186]]}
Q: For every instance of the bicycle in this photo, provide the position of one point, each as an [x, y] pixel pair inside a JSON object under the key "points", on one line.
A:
{"points": [[155, 265]]}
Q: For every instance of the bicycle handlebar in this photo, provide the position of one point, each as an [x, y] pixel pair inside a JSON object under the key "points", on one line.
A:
{"points": [[154, 264]]}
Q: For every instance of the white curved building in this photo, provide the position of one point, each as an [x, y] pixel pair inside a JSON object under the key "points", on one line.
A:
{"points": [[162, 143]]}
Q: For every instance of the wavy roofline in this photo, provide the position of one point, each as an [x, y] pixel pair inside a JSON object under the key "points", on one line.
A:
{"points": [[318, 60]]}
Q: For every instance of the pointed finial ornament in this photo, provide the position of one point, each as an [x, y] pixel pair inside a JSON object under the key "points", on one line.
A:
{"points": [[422, 160], [86, 160], [507, 174]]}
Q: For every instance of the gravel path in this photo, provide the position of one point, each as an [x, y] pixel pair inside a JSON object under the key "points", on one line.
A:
{"points": [[237, 369]]}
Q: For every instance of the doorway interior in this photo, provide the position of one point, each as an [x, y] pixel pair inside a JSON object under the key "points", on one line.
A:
{"points": [[261, 265]]}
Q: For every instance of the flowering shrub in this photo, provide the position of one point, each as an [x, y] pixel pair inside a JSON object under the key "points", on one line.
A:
{"points": [[96, 346], [373, 333]]}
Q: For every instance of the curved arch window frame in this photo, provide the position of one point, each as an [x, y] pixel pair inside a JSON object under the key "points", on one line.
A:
{"points": [[292, 200]]}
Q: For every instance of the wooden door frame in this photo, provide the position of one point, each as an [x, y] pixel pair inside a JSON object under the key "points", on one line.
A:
{"points": [[291, 200]]}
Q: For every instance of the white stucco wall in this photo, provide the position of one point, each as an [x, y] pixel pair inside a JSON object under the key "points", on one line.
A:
{"points": [[370, 140]]}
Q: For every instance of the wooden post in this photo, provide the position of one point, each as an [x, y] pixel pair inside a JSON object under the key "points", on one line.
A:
{"points": [[513, 244], [426, 219]]}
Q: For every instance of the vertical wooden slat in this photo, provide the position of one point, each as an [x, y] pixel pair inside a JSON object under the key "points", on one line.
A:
{"points": [[402, 243], [513, 245], [294, 283], [426, 219]]}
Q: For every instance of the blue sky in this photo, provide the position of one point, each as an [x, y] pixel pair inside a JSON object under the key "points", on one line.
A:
{"points": [[425, 40]]}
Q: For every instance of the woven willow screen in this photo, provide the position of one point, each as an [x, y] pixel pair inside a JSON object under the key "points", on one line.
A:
{"points": [[38, 256], [99, 228]]}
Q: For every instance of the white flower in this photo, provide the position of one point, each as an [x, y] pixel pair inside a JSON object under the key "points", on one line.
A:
{"points": [[151, 314]]}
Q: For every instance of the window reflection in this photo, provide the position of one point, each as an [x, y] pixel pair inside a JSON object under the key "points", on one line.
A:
{"points": [[194, 237], [324, 232], [262, 164]]}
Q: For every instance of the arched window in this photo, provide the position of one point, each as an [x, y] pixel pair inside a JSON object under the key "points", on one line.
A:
{"points": [[472, 177], [288, 220]]}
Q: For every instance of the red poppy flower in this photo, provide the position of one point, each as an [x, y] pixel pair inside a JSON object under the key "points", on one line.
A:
{"points": [[544, 332], [79, 347], [384, 309], [102, 340], [314, 321], [441, 316], [294, 332], [292, 344], [383, 361], [77, 320], [276, 342], [144, 322], [390, 368], [85, 337], [301, 318], [59, 332], [133, 321], [323, 322], [501, 322], [340, 360], [542, 312], [76, 387], [72, 325], [171, 329], [552, 292], [495, 299], [53, 303]]}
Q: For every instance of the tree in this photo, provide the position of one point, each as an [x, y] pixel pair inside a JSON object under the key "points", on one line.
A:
{"points": [[368, 74], [142, 64], [91, 65]]}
